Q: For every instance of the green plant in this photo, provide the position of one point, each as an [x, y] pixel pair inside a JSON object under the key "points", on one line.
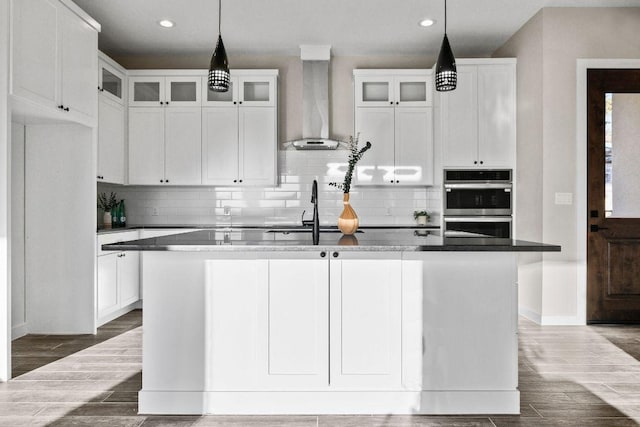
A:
{"points": [[354, 156], [416, 214], [107, 203]]}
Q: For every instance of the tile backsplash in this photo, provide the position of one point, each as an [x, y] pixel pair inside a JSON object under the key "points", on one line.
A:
{"points": [[163, 205]]}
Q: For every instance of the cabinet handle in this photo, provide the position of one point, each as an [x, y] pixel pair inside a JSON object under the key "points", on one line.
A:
{"points": [[240, 102], [323, 254], [335, 254], [391, 181], [397, 103], [161, 103], [235, 180], [397, 182], [481, 162], [240, 181], [475, 162], [167, 103], [162, 180], [60, 107], [390, 102], [166, 181], [66, 108], [234, 102]]}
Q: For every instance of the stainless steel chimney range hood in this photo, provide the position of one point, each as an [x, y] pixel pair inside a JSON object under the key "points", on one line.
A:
{"points": [[315, 99]]}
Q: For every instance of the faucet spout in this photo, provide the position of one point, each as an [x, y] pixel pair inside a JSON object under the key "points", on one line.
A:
{"points": [[316, 219]]}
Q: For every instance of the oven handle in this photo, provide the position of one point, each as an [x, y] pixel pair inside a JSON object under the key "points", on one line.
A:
{"points": [[507, 187], [478, 219]]}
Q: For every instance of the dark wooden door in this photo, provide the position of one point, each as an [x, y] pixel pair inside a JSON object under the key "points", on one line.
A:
{"points": [[613, 177]]}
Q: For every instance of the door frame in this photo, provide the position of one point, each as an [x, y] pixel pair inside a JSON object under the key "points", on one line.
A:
{"points": [[581, 172]]}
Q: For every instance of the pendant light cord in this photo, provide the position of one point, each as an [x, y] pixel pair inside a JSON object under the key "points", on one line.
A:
{"points": [[220, 15], [445, 16]]}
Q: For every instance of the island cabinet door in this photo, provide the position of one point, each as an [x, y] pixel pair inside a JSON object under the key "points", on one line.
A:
{"points": [[295, 325], [366, 324]]}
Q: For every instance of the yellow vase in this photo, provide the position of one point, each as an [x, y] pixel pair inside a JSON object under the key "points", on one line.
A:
{"points": [[348, 220]]}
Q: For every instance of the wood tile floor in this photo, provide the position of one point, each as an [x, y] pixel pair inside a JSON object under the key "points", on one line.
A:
{"points": [[569, 376]]}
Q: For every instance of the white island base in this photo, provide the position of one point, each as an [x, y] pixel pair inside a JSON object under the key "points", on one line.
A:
{"points": [[275, 332]]}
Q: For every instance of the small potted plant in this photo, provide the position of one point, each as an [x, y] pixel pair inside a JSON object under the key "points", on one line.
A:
{"points": [[421, 217], [106, 203]]}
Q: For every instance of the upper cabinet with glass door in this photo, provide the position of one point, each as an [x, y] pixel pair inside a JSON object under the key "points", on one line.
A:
{"points": [[398, 88], [251, 88], [157, 90], [110, 80]]}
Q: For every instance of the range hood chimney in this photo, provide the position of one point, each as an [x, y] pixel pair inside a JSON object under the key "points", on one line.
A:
{"points": [[315, 99]]}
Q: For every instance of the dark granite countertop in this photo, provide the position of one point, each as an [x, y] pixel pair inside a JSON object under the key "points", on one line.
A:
{"points": [[298, 239]]}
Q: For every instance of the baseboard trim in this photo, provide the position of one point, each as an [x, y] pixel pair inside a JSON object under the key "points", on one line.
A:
{"points": [[19, 330], [530, 314], [329, 402], [562, 321]]}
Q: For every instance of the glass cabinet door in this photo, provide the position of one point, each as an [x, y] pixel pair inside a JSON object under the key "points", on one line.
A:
{"points": [[374, 91], [111, 82], [146, 91], [256, 91], [413, 91], [220, 99], [183, 91]]}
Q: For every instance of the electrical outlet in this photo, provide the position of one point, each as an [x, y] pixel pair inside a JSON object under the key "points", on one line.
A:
{"points": [[155, 211]]}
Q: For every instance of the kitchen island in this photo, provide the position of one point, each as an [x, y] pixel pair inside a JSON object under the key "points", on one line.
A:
{"points": [[386, 321]]}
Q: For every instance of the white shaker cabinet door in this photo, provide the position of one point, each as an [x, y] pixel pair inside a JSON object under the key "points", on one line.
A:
{"points": [[183, 144], [108, 300], [110, 141], [414, 146], [366, 324], [146, 146], [129, 277], [258, 150], [376, 124], [296, 326], [235, 297], [79, 65], [36, 66], [460, 120], [220, 150], [496, 115]]}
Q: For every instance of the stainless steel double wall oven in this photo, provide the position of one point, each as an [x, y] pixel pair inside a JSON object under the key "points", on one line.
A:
{"points": [[478, 203]]}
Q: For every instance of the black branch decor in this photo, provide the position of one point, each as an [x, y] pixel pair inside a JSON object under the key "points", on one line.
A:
{"points": [[354, 156]]}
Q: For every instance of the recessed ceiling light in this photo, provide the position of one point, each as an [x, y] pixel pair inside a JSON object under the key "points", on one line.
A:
{"points": [[166, 23], [426, 22]]}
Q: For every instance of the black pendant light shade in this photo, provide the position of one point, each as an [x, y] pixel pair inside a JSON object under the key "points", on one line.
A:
{"points": [[219, 67], [446, 73]]}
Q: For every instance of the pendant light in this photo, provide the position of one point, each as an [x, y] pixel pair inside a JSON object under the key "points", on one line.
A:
{"points": [[446, 73], [219, 67]]}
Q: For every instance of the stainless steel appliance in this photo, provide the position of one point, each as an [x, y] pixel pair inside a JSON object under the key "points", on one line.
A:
{"points": [[477, 192], [478, 204]]}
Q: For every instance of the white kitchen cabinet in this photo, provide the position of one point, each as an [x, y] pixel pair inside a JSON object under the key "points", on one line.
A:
{"points": [[270, 327], [478, 118], [157, 90], [366, 324], [239, 139], [276, 326], [246, 87], [111, 123], [118, 278], [394, 113], [402, 88], [164, 145], [55, 59]]}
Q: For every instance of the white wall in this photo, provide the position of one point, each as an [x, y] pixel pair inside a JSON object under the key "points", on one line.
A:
{"points": [[60, 247], [567, 34], [18, 290], [282, 204]]}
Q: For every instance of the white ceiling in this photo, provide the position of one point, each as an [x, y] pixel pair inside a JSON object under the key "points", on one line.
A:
{"points": [[351, 27]]}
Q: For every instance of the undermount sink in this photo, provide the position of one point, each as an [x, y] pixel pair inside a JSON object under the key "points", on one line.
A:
{"points": [[305, 230]]}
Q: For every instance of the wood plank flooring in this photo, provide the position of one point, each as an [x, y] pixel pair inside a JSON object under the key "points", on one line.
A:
{"points": [[569, 376]]}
